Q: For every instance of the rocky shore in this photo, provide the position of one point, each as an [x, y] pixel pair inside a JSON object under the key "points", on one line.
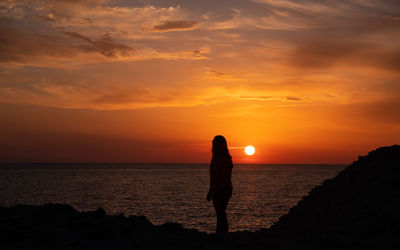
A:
{"points": [[358, 209]]}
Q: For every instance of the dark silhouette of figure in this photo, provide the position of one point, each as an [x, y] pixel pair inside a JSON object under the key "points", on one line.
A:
{"points": [[220, 181]]}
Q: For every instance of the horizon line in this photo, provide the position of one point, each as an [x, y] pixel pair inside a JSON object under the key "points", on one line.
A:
{"points": [[169, 163]]}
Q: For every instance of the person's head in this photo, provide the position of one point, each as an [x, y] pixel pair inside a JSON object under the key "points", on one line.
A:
{"points": [[220, 147]]}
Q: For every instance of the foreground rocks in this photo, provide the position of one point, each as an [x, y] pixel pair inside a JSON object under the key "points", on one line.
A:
{"points": [[358, 209], [57, 226]]}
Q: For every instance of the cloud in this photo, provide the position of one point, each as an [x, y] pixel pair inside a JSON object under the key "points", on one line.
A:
{"points": [[175, 25], [18, 45], [262, 97], [292, 98], [325, 53], [330, 34], [140, 97], [217, 73], [147, 54], [270, 98], [105, 45], [212, 74], [133, 95], [308, 6], [52, 49], [70, 33], [346, 17]]}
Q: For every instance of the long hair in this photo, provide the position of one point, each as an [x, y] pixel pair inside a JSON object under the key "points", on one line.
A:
{"points": [[220, 149]]}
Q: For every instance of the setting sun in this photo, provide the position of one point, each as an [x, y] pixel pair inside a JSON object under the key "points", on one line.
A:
{"points": [[249, 150]]}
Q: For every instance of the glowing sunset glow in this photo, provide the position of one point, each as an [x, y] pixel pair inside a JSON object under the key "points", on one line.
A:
{"points": [[143, 81], [249, 150]]}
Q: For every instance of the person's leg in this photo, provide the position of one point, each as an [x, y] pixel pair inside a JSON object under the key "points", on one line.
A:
{"points": [[224, 203], [220, 203], [224, 219], [218, 206], [224, 226]]}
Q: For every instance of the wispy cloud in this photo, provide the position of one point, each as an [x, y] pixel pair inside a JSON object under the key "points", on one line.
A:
{"points": [[270, 98], [293, 98], [314, 54], [261, 97], [175, 25], [213, 74], [64, 33], [105, 45]]}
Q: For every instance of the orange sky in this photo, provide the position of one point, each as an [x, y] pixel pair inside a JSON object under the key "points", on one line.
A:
{"points": [[154, 81]]}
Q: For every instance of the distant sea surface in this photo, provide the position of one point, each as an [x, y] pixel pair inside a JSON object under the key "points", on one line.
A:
{"points": [[164, 192]]}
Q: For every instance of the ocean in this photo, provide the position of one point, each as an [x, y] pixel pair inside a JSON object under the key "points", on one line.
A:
{"points": [[164, 192]]}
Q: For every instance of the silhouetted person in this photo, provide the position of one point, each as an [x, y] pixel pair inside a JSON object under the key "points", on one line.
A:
{"points": [[220, 181]]}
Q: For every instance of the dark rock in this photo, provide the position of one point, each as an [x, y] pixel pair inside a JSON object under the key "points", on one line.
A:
{"points": [[358, 207], [171, 226], [140, 221]]}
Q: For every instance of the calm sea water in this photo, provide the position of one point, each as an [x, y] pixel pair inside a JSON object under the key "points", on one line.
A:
{"points": [[164, 192]]}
